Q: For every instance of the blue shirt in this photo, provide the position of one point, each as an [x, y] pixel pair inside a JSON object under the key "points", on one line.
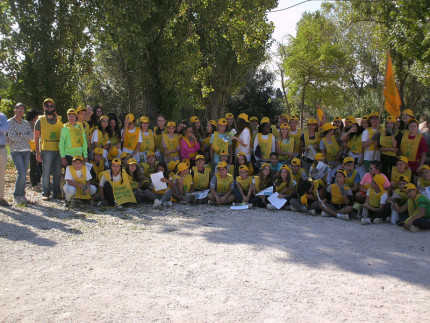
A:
{"points": [[4, 128]]}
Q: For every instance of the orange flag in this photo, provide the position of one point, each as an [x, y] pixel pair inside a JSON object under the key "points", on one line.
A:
{"points": [[391, 94]]}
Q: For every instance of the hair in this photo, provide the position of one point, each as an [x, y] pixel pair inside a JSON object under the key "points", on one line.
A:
{"points": [[166, 170], [304, 187], [241, 124], [135, 176], [395, 129], [213, 130], [236, 165], [279, 178], [340, 127], [266, 182], [376, 164], [120, 173], [233, 126], [360, 130], [274, 154], [116, 131], [31, 114], [100, 127], [261, 126], [199, 133]]}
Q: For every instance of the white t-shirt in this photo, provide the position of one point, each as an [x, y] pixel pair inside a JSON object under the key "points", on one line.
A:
{"points": [[368, 154], [384, 197], [68, 175], [116, 179], [245, 137]]}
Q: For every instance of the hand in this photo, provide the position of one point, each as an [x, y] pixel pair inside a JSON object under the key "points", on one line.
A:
{"points": [[38, 158], [246, 199], [63, 162], [164, 180], [407, 224], [366, 205]]}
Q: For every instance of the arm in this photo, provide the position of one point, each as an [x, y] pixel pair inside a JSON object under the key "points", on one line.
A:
{"points": [[421, 213], [4, 125]]}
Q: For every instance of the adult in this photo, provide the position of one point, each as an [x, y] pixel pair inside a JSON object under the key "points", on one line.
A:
{"points": [[131, 138], [98, 111], [48, 129], [20, 133], [389, 142], [35, 166], [413, 146], [189, 145], [4, 128], [243, 136], [72, 140], [369, 140]]}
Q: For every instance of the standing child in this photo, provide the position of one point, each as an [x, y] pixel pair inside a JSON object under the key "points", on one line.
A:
{"points": [[170, 143]]}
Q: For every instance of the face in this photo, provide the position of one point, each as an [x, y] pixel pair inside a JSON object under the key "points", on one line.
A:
{"points": [[90, 112], [49, 108], [426, 174], [200, 163], [161, 122], [20, 111], [144, 125], [365, 124], [401, 166], [240, 160], [411, 194], [160, 168], [77, 164], [354, 127], [209, 128], [389, 124], [171, 129], [266, 128], [266, 170], [104, 123], [115, 168], [222, 171], [221, 128], [373, 170], [337, 123], [284, 132], [349, 167], [405, 117], [253, 124], [189, 132], [179, 127], [72, 117], [150, 160], [112, 123], [197, 124], [374, 122], [295, 168], [185, 172], [99, 112], [132, 167], [223, 158], [230, 121], [243, 174], [330, 133], [274, 159], [340, 179], [284, 174], [97, 158], [312, 126], [413, 128], [374, 185], [293, 124], [401, 184]]}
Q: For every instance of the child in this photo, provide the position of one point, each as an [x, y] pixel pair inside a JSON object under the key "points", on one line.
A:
{"points": [[170, 143], [148, 141], [298, 173], [221, 186], [98, 166], [401, 169], [264, 142], [220, 141], [131, 137], [133, 174], [337, 201], [285, 143], [398, 200], [418, 210], [376, 206], [353, 177], [223, 156], [150, 166], [184, 184], [306, 200], [210, 129], [244, 187], [162, 197], [285, 186], [424, 180], [201, 174], [275, 166], [261, 182], [78, 179], [242, 160]]}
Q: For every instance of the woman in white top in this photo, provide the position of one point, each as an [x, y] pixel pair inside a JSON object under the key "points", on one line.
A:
{"points": [[243, 136]]}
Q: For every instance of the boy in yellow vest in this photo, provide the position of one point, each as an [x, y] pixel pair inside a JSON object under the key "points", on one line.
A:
{"points": [[244, 186], [221, 187], [353, 177], [72, 140], [401, 169], [148, 141], [297, 172], [376, 203], [78, 179], [48, 129], [418, 207]]}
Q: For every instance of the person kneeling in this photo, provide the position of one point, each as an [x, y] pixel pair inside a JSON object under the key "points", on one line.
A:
{"points": [[78, 179], [221, 187]]}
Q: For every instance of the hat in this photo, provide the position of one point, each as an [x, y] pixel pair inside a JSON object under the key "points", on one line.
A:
{"points": [[130, 117], [172, 164], [71, 111], [365, 118], [341, 171], [253, 118], [319, 156], [113, 152], [78, 157], [144, 119], [413, 120], [243, 167], [312, 121], [186, 161], [264, 165], [194, 119], [223, 153], [222, 121], [229, 115], [424, 167], [222, 165], [171, 124], [285, 125], [243, 116], [409, 113], [350, 118], [285, 166], [98, 150], [379, 180], [125, 155], [81, 109], [409, 186], [182, 167], [295, 161], [116, 161], [293, 118], [48, 100], [337, 118], [328, 126], [132, 161], [353, 121], [348, 160], [265, 120], [374, 114], [241, 153], [150, 153], [403, 159], [213, 122], [403, 178], [104, 117], [391, 119], [285, 116], [200, 157]]}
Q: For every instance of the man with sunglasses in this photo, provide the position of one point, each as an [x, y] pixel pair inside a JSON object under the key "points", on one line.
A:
{"points": [[48, 129]]}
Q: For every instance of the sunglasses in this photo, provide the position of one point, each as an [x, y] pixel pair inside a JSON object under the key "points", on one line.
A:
{"points": [[49, 105]]}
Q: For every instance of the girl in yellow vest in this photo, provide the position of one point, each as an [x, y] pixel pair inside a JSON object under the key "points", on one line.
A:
{"points": [[133, 174], [376, 203], [424, 180], [210, 129], [285, 186], [310, 137], [400, 169], [296, 134], [221, 187], [131, 137], [413, 146], [244, 186], [407, 115], [285, 144], [353, 139], [78, 181], [115, 188], [98, 166], [231, 123], [329, 145], [370, 140], [184, 184], [220, 141], [201, 176], [353, 177], [197, 129], [264, 143], [242, 160], [365, 122], [261, 182], [148, 141], [170, 143], [100, 137], [337, 201], [114, 131], [389, 142]]}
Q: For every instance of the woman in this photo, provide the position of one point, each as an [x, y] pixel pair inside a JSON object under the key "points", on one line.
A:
{"points": [[20, 133], [35, 166], [243, 136], [370, 140], [407, 115], [329, 145], [285, 144], [413, 146], [390, 142], [189, 146], [264, 143]]}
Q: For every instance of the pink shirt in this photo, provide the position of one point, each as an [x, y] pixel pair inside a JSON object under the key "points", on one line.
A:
{"points": [[186, 150], [367, 179]]}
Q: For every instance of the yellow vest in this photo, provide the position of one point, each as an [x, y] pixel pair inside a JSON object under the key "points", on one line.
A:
{"points": [[336, 195], [350, 179], [206, 142], [385, 141], [265, 145], [279, 188], [275, 131], [158, 139], [223, 184], [371, 133], [422, 182], [395, 174], [355, 145], [244, 183], [85, 129], [171, 143], [98, 169], [375, 198], [332, 149], [80, 180], [122, 192], [201, 181], [133, 184], [188, 181], [297, 177], [131, 139], [76, 135], [102, 139], [409, 147], [286, 146], [50, 134], [312, 142], [147, 170], [148, 143], [296, 136], [219, 144]]}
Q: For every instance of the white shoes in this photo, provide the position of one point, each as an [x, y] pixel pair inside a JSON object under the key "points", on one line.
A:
{"points": [[377, 220], [325, 214], [342, 216], [156, 204], [414, 228], [312, 212], [168, 203], [365, 221], [270, 207]]}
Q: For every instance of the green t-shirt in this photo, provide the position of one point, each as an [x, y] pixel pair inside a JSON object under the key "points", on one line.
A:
{"points": [[424, 202]]}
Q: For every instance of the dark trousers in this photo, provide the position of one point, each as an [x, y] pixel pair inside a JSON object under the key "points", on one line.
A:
{"points": [[108, 194], [35, 170], [387, 163], [385, 212], [422, 223]]}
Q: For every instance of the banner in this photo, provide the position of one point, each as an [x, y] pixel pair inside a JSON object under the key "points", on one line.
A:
{"points": [[391, 94]]}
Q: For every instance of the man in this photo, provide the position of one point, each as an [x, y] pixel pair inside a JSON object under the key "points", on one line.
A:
{"points": [[48, 129], [4, 128], [72, 140]]}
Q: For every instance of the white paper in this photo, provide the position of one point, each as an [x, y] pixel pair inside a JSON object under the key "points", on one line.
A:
{"points": [[201, 194], [268, 191], [320, 171], [276, 201], [310, 154], [426, 192], [322, 203], [239, 207], [156, 181]]}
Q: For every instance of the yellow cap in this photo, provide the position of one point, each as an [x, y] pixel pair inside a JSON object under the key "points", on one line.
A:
{"points": [[116, 161], [391, 119], [213, 122], [293, 118], [182, 167], [413, 120], [341, 171], [374, 114], [229, 115], [337, 118], [365, 118], [243, 167], [48, 100], [171, 124], [409, 112], [241, 153], [194, 119], [223, 153], [253, 118], [222, 165], [403, 178], [348, 160], [125, 155], [328, 126], [319, 156], [295, 161], [104, 117], [243, 116], [130, 117], [150, 153], [98, 150], [222, 121], [264, 165], [265, 120], [144, 119], [427, 167], [132, 161], [113, 151], [409, 186], [353, 121], [350, 118], [403, 159], [285, 166], [379, 180], [81, 109], [285, 125], [172, 164], [78, 157], [200, 157], [71, 111], [312, 121], [285, 116]]}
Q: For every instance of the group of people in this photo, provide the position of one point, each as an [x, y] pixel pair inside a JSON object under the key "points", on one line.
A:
{"points": [[366, 168]]}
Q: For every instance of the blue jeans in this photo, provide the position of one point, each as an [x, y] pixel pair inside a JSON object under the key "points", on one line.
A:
{"points": [[51, 164], [21, 160]]}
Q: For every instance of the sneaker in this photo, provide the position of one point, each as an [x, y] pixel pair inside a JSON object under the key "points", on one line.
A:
{"points": [[168, 203], [343, 216], [325, 214], [270, 207], [377, 220], [156, 204], [292, 208], [304, 209], [37, 188], [388, 219], [3, 202], [365, 221], [414, 228], [210, 202], [312, 212], [67, 204], [45, 197]]}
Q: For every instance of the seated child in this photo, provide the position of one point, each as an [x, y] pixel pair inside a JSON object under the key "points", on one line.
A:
{"points": [[78, 180], [424, 180], [184, 184], [307, 199], [376, 208], [98, 166], [244, 187], [133, 174], [261, 182], [401, 169], [275, 166], [337, 201], [398, 200], [161, 197], [297, 172], [242, 160], [150, 166], [223, 156], [285, 186], [221, 186], [418, 210], [353, 177]]}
